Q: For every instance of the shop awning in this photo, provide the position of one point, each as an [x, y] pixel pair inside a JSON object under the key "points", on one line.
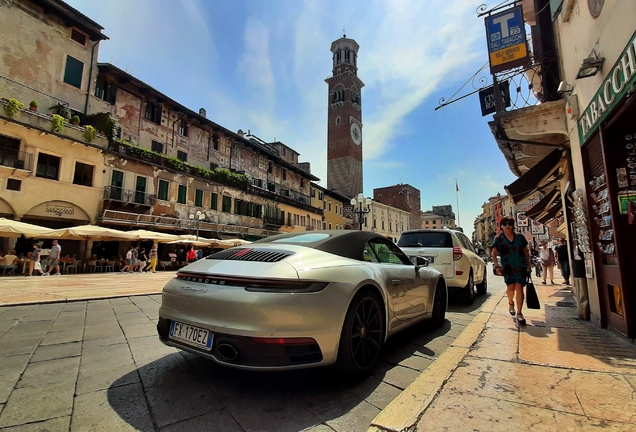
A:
{"points": [[542, 205], [538, 176], [552, 213]]}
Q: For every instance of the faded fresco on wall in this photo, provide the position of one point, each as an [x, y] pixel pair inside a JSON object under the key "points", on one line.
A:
{"points": [[128, 113], [198, 144]]}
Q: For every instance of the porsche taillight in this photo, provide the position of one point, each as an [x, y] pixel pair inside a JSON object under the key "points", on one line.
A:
{"points": [[458, 253]]}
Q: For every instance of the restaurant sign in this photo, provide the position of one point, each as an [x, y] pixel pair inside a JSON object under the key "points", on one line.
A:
{"points": [[617, 83]]}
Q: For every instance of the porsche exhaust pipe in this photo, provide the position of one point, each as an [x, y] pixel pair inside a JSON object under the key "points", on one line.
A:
{"points": [[227, 352]]}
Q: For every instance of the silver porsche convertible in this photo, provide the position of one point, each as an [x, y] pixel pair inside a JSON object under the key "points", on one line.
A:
{"points": [[300, 300]]}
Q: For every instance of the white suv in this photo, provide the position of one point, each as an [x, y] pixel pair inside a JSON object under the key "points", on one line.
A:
{"points": [[453, 254]]}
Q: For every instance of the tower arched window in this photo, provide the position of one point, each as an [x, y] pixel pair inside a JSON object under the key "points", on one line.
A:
{"points": [[337, 120]]}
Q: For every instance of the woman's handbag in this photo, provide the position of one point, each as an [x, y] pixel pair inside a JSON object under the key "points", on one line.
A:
{"points": [[532, 300]]}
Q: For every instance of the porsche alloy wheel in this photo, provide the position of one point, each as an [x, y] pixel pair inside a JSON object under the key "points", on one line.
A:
{"points": [[362, 336]]}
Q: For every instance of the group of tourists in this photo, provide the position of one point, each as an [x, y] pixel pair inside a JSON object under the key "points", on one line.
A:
{"points": [[138, 261], [515, 265]]}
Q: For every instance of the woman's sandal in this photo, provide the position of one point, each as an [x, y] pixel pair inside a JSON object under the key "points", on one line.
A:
{"points": [[520, 319], [511, 309]]}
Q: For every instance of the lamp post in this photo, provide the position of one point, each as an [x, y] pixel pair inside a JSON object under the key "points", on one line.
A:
{"points": [[197, 218], [363, 207]]}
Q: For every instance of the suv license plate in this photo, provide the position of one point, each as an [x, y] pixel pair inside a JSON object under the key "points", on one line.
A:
{"points": [[191, 335]]}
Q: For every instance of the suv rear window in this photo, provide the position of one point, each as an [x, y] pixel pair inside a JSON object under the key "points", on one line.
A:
{"points": [[426, 239]]}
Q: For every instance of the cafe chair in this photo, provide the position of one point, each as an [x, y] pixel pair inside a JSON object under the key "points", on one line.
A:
{"points": [[110, 266], [72, 268], [10, 267]]}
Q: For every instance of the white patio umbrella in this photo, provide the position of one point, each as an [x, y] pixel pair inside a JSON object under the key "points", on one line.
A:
{"points": [[190, 243], [12, 228], [193, 237], [153, 235], [233, 242], [89, 232]]}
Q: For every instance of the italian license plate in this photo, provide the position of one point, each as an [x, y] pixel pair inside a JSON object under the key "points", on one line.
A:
{"points": [[431, 260], [191, 335]]}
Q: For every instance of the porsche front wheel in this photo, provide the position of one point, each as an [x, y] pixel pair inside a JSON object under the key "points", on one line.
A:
{"points": [[362, 336]]}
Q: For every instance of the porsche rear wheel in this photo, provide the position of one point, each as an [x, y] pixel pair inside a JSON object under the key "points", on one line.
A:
{"points": [[362, 336]]}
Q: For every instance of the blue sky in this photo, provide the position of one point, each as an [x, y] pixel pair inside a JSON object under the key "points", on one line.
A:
{"points": [[261, 65]]}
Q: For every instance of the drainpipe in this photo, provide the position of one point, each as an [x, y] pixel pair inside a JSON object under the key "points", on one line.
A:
{"points": [[174, 123], [90, 78]]}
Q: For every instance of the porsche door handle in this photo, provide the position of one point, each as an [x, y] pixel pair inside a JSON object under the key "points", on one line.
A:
{"points": [[395, 281]]}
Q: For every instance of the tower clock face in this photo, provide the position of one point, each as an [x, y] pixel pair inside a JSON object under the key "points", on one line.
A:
{"points": [[356, 134]]}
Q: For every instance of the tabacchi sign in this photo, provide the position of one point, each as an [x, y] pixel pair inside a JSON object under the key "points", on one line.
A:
{"points": [[618, 81], [506, 40]]}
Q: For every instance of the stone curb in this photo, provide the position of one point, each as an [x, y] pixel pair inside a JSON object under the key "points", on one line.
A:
{"points": [[405, 410], [76, 299]]}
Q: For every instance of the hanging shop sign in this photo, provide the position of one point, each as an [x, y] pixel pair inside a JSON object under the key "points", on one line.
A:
{"points": [[506, 34], [487, 98], [620, 80], [536, 228], [522, 220]]}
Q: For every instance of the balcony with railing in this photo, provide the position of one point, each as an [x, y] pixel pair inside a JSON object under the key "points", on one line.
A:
{"points": [[16, 159], [289, 197], [128, 196], [27, 106]]}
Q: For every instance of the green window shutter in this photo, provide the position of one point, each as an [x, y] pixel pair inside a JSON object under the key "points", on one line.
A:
{"points": [[198, 198], [73, 72], [163, 190], [183, 194], [214, 202]]}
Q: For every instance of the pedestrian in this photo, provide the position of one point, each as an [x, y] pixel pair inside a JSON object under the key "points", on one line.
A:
{"points": [[143, 259], [515, 266], [199, 253], [154, 256], [564, 260], [55, 254], [191, 255], [547, 261], [35, 264], [134, 258], [128, 260]]}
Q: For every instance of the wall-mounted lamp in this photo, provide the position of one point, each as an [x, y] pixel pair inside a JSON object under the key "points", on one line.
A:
{"points": [[590, 67], [564, 88]]}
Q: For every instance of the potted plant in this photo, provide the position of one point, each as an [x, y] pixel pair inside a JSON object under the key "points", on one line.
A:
{"points": [[89, 133], [33, 105], [58, 123], [13, 107], [75, 120]]}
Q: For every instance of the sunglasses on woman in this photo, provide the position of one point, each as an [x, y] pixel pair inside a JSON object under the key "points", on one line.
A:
{"points": [[508, 224]]}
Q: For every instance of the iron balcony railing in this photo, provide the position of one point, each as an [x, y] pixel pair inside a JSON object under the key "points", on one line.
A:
{"points": [[16, 159], [116, 193], [295, 199]]}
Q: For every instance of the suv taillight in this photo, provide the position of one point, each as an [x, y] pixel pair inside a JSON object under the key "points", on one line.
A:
{"points": [[458, 253]]}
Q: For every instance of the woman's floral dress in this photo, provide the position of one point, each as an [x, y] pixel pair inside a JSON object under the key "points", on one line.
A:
{"points": [[514, 265]]}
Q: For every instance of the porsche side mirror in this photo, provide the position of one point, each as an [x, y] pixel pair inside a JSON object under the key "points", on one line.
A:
{"points": [[419, 261]]}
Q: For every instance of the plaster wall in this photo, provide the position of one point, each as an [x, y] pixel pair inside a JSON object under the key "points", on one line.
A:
{"points": [[33, 53]]}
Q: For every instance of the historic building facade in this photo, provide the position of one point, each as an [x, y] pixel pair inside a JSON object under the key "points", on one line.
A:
{"points": [[401, 196], [344, 124]]}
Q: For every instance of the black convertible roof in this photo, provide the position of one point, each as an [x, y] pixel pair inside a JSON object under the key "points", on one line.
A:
{"points": [[347, 244]]}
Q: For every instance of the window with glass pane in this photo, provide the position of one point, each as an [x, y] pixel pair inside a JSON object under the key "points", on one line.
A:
{"points": [[214, 201], [73, 72], [163, 190], [198, 197], [182, 156], [156, 146], [116, 184], [83, 174], [227, 204], [182, 197], [48, 166], [140, 190]]}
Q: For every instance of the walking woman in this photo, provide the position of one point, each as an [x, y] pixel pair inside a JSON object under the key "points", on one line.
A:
{"points": [[547, 261], [515, 266]]}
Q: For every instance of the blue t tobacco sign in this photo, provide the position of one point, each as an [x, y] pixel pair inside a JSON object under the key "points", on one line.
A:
{"points": [[506, 40]]}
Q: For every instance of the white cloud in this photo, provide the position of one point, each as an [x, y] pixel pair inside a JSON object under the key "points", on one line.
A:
{"points": [[255, 64]]}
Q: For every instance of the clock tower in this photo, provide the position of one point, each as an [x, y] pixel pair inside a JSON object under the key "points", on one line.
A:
{"points": [[344, 120]]}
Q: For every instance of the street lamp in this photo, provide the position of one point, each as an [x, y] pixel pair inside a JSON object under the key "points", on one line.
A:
{"points": [[362, 209], [197, 218]]}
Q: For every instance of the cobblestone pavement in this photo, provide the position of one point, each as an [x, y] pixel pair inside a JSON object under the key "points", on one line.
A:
{"points": [[98, 365]]}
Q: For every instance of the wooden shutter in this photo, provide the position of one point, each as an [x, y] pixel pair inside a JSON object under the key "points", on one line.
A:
{"points": [[73, 72]]}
